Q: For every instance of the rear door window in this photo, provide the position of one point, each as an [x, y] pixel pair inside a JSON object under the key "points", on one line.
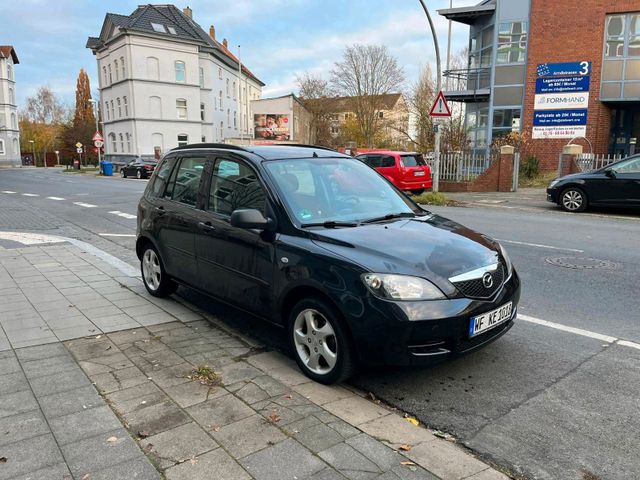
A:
{"points": [[185, 183], [387, 161]]}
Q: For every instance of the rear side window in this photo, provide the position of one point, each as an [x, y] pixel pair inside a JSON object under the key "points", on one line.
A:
{"points": [[387, 161], [374, 161], [413, 160], [185, 183], [162, 176]]}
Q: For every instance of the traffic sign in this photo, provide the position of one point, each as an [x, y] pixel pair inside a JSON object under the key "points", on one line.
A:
{"points": [[79, 149], [440, 107], [98, 143], [78, 145], [97, 137]]}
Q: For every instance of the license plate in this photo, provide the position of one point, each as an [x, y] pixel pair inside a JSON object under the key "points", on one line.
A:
{"points": [[418, 173], [489, 320]]}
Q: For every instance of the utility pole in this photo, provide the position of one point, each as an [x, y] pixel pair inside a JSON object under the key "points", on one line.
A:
{"points": [[239, 105], [436, 147], [95, 115], [449, 43]]}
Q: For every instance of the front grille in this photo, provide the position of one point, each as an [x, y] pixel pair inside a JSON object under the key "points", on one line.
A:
{"points": [[476, 289]]}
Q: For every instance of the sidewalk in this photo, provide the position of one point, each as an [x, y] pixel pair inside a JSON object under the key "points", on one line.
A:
{"points": [[100, 381], [524, 198]]}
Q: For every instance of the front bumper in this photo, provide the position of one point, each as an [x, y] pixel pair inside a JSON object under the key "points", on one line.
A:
{"points": [[552, 195], [425, 333]]}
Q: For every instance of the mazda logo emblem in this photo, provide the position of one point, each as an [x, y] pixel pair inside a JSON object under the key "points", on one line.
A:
{"points": [[487, 280]]}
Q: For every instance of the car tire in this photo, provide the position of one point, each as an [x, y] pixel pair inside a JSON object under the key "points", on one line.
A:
{"points": [[138, 174], [154, 276], [573, 199], [322, 347], [419, 191], [123, 174]]}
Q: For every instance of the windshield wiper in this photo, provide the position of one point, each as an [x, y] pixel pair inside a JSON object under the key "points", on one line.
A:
{"points": [[330, 224], [390, 216]]}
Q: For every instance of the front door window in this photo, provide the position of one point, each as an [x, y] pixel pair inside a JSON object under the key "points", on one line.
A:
{"points": [[234, 186]]}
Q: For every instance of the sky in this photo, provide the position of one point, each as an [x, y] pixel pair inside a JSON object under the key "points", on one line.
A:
{"points": [[279, 38]]}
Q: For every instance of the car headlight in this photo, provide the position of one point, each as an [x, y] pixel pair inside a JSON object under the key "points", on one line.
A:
{"points": [[507, 261], [554, 183], [401, 287]]}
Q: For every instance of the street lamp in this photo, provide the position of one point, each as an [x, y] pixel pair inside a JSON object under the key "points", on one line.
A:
{"points": [[436, 147], [57, 152], [33, 150], [95, 114]]}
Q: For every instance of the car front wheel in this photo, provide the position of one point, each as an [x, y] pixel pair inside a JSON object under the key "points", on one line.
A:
{"points": [[155, 279], [573, 200], [320, 342], [123, 174], [138, 174]]}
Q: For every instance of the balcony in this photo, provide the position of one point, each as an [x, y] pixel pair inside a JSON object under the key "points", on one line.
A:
{"points": [[468, 84]]}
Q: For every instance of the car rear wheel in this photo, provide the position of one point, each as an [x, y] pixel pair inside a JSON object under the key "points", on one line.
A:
{"points": [[155, 279], [573, 200], [419, 191], [123, 174], [138, 174], [320, 342]]}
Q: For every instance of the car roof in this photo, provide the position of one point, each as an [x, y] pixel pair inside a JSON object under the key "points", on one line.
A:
{"points": [[387, 152], [270, 152]]}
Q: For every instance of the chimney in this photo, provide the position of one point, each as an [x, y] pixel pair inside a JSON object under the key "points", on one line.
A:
{"points": [[212, 32], [225, 43], [188, 12]]}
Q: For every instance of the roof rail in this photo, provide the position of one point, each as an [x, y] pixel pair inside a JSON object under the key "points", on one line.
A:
{"points": [[225, 146], [305, 146]]}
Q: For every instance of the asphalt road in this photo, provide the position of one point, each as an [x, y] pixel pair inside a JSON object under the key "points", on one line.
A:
{"points": [[549, 401]]}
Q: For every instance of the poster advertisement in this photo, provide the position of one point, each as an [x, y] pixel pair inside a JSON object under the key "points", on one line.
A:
{"points": [[271, 126]]}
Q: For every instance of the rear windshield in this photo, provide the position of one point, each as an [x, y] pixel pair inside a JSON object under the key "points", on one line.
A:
{"points": [[413, 160]]}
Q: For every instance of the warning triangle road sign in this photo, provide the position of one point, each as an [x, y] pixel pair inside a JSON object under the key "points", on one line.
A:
{"points": [[440, 107], [97, 137]]}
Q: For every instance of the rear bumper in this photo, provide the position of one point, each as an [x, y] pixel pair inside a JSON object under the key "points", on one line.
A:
{"points": [[420, 182]]}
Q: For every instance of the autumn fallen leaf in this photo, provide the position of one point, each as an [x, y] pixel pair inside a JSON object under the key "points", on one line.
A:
{"points": [[412, 421], [274, 417], [407, 463], [112, 440], [404, 447], [86, 476], [143, 434]]}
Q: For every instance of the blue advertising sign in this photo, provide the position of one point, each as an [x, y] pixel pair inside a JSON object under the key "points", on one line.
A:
{"points": [[554, 118], [563, 84], [564, 69]]}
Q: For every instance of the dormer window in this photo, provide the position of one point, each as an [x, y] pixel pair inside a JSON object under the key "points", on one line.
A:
{"points": [[172, 30], [158, 27]]}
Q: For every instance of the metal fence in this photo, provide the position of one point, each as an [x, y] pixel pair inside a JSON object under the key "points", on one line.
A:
{"points": [[591, 161], [463, 167]]}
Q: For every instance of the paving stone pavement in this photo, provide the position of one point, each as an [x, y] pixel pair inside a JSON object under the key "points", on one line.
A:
{"points": [[118, 398]]}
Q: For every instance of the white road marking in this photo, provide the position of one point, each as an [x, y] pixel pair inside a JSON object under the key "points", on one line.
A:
{"points": [[7, 191], [540, 246], [30, 194], [80, 194], [86, 205], [55, 198], [29, 238], [626, 343], [124, 215], [116, 234]]}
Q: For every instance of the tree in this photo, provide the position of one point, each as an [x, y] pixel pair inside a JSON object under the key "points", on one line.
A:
{"points": [[315, 94], [365, 73], [41, 121], [83, 125]]}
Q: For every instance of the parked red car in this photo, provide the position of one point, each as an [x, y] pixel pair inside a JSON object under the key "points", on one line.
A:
{"points": [[408, 171]]}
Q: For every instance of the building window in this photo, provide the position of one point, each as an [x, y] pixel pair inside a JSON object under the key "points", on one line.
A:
{"points": [[621, 67], [235, 119], [119, 107], [181, 108], [155, 107], [126, 106], [481, 48], [106, 109], [128, 142], [220, 73], [228, 95], [512, 42], [203, 139], [110, 77], [9, 71], [114, 143], [14, 121], [117, 71], [221, 107], [113, 112], [180, 72], [335, 130], [201, 77], [228, 118], [380, 114], [122, 143], [104, 71], [615, 36], [183, 140], [12, 96], [234, 90], [158, 27], [202, 112], [16, 146], [122, 67], [221, 131], [153, 68], [2, 152], [244, 95]]}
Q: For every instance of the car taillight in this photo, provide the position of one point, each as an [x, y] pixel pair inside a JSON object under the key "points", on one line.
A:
{"points": [[148, 167]]}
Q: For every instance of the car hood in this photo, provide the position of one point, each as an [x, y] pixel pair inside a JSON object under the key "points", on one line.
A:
{"points": [[431, 247]]}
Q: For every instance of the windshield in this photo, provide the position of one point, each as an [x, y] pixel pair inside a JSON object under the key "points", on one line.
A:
{"points": [[336, 190], [413, 160]]}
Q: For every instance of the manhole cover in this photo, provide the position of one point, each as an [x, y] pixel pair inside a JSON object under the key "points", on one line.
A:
{"points": [[580, 263]]}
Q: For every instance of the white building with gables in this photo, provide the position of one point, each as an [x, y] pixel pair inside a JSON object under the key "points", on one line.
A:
{"points": [[9, 128]]}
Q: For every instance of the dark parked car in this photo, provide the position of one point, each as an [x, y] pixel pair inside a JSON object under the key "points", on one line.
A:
{"points": [[616, 185], [321, 245], [139, 168]]}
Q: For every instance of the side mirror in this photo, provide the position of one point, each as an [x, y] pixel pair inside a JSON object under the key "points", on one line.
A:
{"points": [[610, 172], [251, 218]]}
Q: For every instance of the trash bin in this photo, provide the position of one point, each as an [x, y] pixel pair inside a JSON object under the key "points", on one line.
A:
{"points": [[107, 168]]}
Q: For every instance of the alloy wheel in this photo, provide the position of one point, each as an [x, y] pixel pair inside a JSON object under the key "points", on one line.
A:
{"points": [[151, 269], [572, 200], [315, 341]]}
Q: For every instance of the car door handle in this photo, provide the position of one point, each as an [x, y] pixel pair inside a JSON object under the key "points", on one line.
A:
{"points": [[206, 227], [160, 211]]}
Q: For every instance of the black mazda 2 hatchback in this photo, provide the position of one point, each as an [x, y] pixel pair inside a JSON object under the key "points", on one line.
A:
{"points": [[322, 245]]}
